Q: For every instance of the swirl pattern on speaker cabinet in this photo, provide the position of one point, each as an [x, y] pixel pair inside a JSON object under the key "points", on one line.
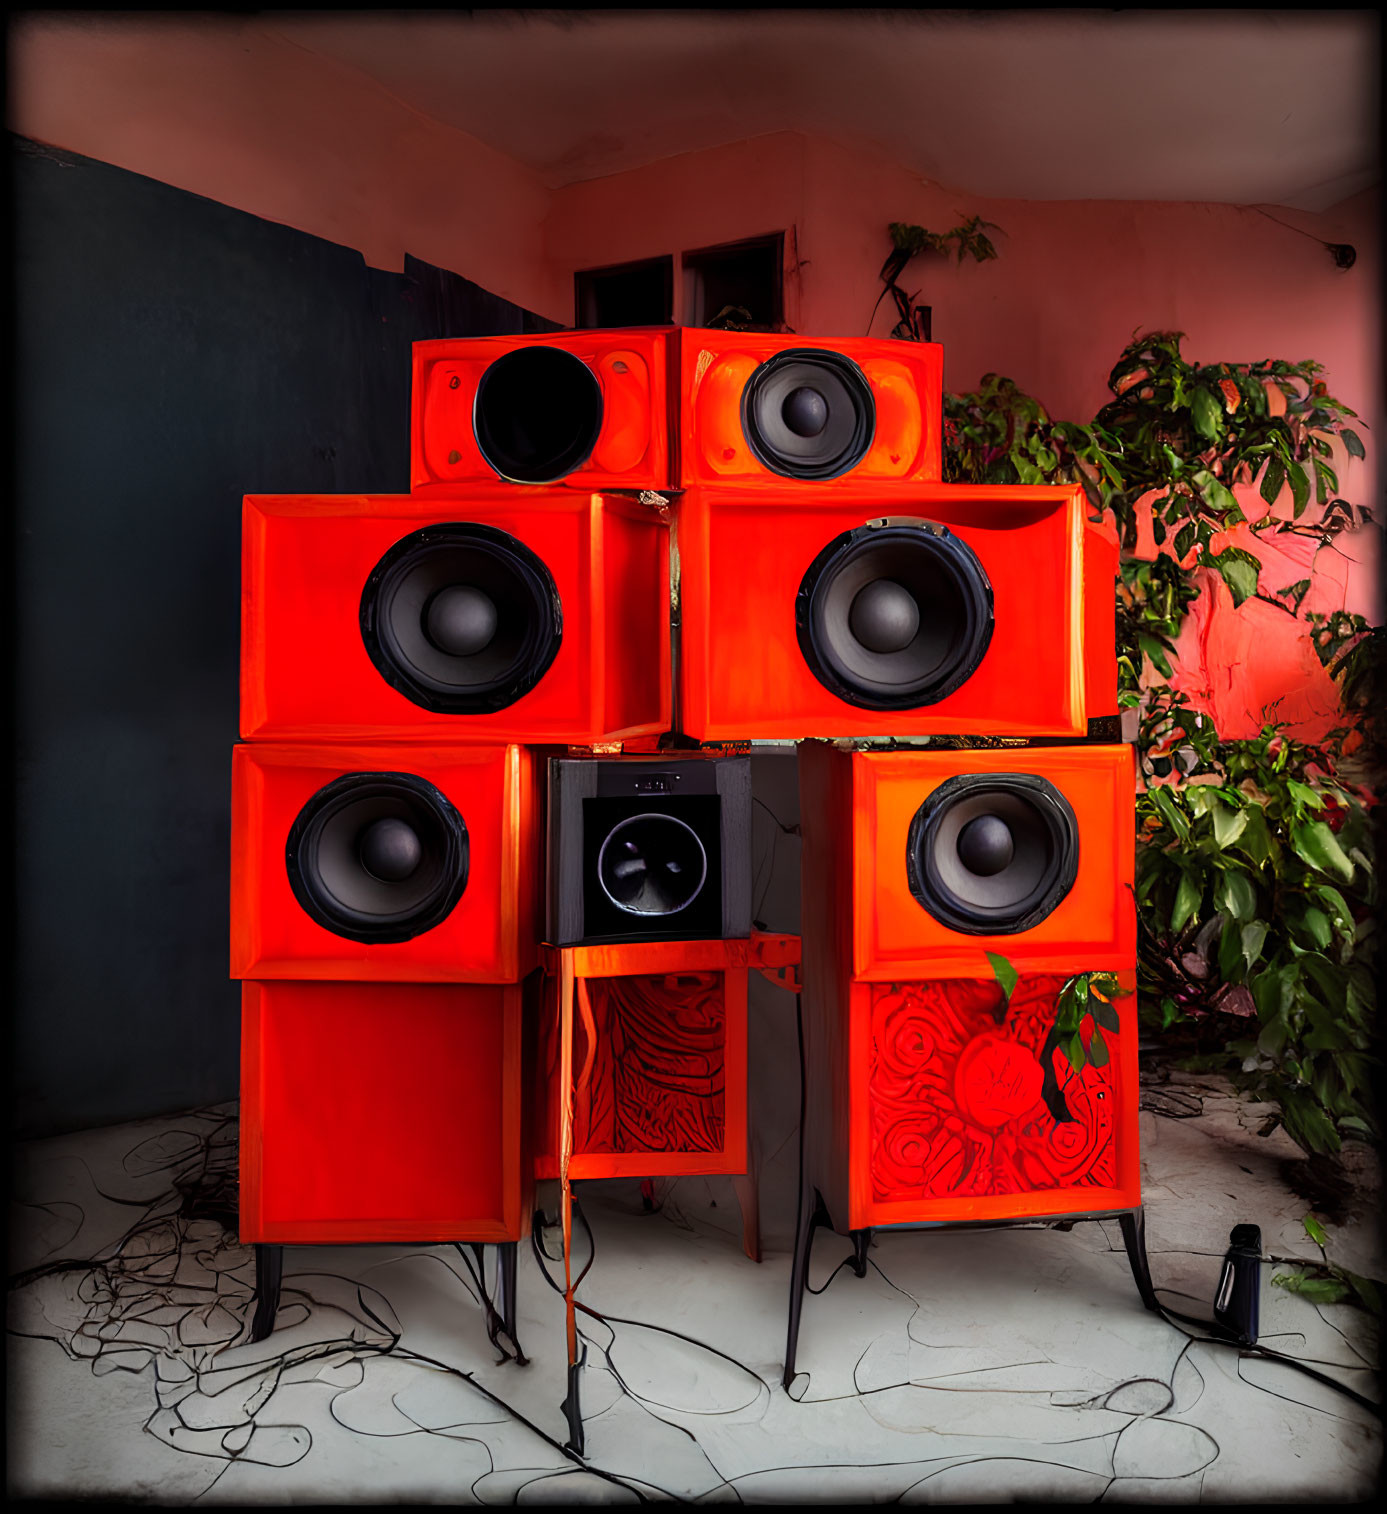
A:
{"points": [[656, 1082], [956, 1104]]}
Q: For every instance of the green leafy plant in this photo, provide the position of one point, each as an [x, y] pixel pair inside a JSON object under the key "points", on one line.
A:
{"points": [[1255, 894], [1086, 997], [1254, 878], [1152, 601], [969, 238], [1323, 1282]]}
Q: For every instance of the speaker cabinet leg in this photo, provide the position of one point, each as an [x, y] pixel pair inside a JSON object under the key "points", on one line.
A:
{"points": [[1134, 1239], [500, 1310], [507, 1258], [269, 1273], [748, 1199], [861, 1239], [812, 1214]]}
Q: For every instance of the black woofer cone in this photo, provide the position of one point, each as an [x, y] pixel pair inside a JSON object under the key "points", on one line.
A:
{"points": [[894, 615], [992, 853], [461, 618], [808, 414], [378, 857], [537, 414], [652, 865]]}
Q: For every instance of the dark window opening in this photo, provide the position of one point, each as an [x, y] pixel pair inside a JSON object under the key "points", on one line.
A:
{"points": [[627, 294], [738, 283]]}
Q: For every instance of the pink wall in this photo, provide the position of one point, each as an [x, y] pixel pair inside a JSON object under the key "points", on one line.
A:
{"points": [[226, 108]]}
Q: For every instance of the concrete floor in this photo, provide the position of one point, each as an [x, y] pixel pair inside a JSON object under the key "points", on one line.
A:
{"points": [[966, 1366]]}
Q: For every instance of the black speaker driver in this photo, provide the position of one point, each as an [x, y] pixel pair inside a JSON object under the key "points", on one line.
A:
{"points": [[652, 865], [808, 413], [894, 615], [992, 854], [378, 857], [461, 618], [537, 414]]}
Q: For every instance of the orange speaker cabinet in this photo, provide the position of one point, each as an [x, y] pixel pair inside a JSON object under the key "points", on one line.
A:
{"points": [[1100, 620], [338, 641], [377, 1112], [928, 1098], [583, 409], [874, 413], [659, 1061], [752, 575], [300, 904]]}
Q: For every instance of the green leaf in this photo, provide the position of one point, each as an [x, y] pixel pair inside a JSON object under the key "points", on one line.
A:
{"points": [[1254, 934], [1316, 923], [1170, 812], [1300, 488], [1185, 539], [1187, 898], [1208, 414], [1236, 895], [1229, 824], [1352, 443], [1315, 1290], [1239, 570], [1315, 1231], [1272, 480], [1074, 1051], [1105, 1015], [1097, 1049], [1230, 952], [1316, 844], [1004, 973], [1304, 794]]}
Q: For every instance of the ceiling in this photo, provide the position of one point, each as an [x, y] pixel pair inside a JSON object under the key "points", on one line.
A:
{"points": [[1242, 106]]}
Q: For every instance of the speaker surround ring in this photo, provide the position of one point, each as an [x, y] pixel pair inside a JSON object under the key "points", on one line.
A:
{"points": [[666, 827], [332, 881], [917, 558], [802, 382], [537, 414], [407, 581], [1020, 894]]}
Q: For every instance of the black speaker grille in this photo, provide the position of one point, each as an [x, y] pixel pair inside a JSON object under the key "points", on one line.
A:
{"points": [[808, 413], [1039, 860], [515, 590], [332, 881], [926, 636]]}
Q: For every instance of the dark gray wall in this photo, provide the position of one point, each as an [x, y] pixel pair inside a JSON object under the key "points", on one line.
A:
{"points": [[172, 354]]}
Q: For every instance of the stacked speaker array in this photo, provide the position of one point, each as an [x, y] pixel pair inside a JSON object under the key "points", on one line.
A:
{"points": [[429, 796]]}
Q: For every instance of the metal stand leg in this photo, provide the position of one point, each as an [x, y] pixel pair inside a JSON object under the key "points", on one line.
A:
{"points": [[269, 1273], [506, 1262], [1134, 1239], [861, 1239], [812, 1214], [500, 1311]]}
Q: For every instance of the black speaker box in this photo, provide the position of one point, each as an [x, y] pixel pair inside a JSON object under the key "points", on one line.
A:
{"points": [[648, 849]]}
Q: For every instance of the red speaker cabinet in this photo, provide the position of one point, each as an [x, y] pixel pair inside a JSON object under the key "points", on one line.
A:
{"points": [[763, 411], [377, 1112], [489, 616], [929, 1098], [943, 609], [584, 409], [659, 1059], [384, 863]]}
